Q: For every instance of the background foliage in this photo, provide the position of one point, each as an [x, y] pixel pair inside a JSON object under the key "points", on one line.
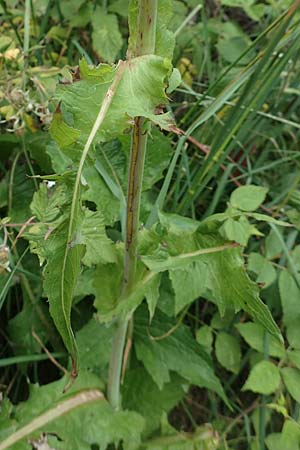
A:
{"points": [[200, 375]]}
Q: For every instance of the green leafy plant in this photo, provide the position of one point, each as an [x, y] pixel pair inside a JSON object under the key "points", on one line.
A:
{"points": [[122, 276]]}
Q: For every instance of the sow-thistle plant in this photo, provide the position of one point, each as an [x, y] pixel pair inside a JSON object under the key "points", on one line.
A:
{"points": [[108, 102], [97, 233]]}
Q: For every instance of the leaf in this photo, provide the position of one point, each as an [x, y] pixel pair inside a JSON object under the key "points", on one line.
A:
{"points": [[152, 295], [203, 438], [85, 283], [60, 278], [178, 352], [107, 285], [163, 250], [119, 7], [248, 198], [37, 147], [236, 214], [94, 342], [49, 239], [264, 270], [228, 351], [273, 246], [99, 249], [47, 203], [83, 16], [291, 378], [60, 162], [141, 394], [230, 48], [79, 419], [71, 7], [97, 192], [114, 158], [189, 283], [294, 357], [238, 230], [289, 438], [290, 294], [106, 37], [123, 307], [33, 317], [222, 322], [264, 378], [156, 161], [254, 11], [61, 132], [269, 219], [175, 81], [204, 337], [161, 259], [141, 88], [254, 335], [147, 288]]}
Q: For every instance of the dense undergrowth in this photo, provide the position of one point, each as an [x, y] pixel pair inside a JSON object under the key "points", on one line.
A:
{"points": [[190, 306]]}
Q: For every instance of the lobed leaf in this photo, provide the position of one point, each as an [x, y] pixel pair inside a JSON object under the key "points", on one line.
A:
{"points": [[213, 268], [178, 352]]}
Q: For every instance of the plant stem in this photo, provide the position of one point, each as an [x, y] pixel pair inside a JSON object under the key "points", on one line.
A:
{"points": [[145, 44], [26, 39]]}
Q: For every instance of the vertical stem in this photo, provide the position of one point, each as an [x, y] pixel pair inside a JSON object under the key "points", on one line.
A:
{"points": [[146, 27], [145, 44], [26, 39], [136, 169]]}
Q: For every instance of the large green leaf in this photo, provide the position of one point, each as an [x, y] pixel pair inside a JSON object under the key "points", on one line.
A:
{"points": [[76, 420], [222, 277], [179, 352], [140, 90], [60, 278], [48, 238]]}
